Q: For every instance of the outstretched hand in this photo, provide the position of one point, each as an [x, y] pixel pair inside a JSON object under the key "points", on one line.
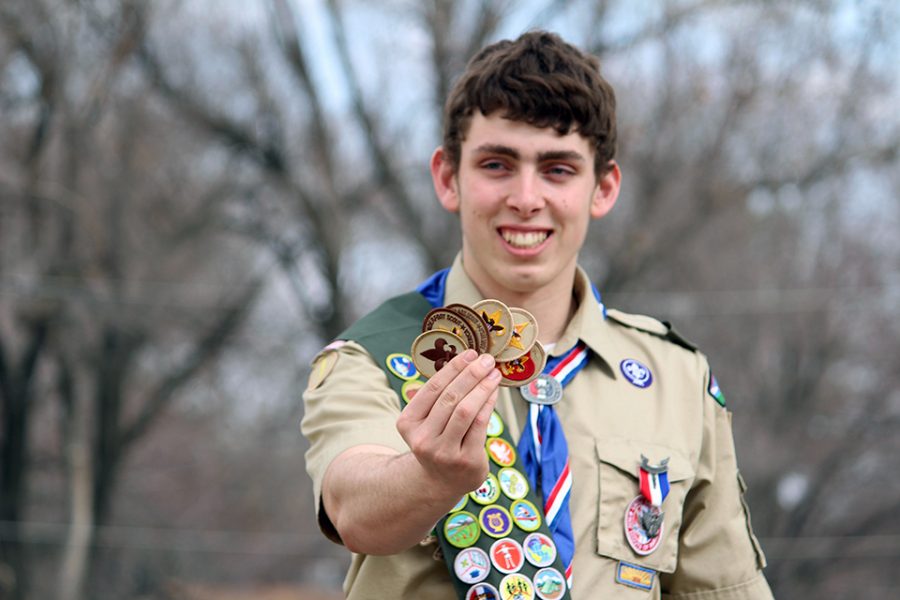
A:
{"points": [[445, 423]]}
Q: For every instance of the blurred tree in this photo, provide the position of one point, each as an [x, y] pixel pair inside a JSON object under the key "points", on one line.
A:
{"points": [[148, 145]]}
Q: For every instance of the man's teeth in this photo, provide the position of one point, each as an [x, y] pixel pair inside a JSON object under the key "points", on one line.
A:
{"points": [[524, 239]]}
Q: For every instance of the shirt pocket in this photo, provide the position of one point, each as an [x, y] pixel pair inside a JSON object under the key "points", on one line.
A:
{"points": [[619, 464]]}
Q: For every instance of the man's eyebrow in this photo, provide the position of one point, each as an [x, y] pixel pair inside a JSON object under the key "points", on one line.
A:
{"points": [[549, 155]]}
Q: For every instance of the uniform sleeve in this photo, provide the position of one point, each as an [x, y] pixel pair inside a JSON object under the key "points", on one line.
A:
{"points": [[718, 555], [347, 403]]}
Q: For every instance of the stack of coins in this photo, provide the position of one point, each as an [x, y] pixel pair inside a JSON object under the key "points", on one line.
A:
{"points": [[508, 334]]}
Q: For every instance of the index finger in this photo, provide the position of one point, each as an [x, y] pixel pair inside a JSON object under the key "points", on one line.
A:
{"points": [[420, 405]]}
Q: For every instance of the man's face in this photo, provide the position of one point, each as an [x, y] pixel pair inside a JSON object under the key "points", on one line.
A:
{"points": [[525, 196]]}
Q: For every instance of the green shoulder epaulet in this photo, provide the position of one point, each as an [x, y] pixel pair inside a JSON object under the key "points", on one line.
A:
{"points": [[662, 329]]}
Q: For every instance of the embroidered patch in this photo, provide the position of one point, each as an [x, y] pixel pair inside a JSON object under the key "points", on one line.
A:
{"points": [[549, 584], [401, 365], [461, 529], [409, 389], [472, 565], [321, 368], [636, 373], [540, 549], [634, 576], [526, 515], [487, 492], [507, 555], [495, 521], [715, 391]]}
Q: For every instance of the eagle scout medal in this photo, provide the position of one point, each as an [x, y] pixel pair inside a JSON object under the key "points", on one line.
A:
{"points": [[472, 565], [495, 521], [513, 483], [461, 529], [479, 328], [516, 587], [654, 480], [483, 591], [401, 365], [507, 555], [447, 320], [526, 515], [549, 584], [642, 519], [545, 389], [487, 492], [499, 323], [501, 451], [524, 334], [636, 373], [539, 549], [434, 349]]}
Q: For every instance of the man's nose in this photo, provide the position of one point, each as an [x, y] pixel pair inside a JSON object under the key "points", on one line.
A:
{"points": [[526, 196]]}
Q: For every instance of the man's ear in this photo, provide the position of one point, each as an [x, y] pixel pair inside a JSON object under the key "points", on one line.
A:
{"points": [[607, 191], [443, 175]]}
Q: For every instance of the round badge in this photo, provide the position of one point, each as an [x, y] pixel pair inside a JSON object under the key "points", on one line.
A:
{"points": [[461, 504], [513, 483], [499, 323], [495, 521], [401, 365], [639, 517], [409, 389], [545, 389], [525, 515], [516, 587], [483, 591], [434, 349], [447, 320], [549, 584], [525, 333], [501, 451], [507, 555], [495, 425], [540, 549], [472, 565], [487, 492], [461, 529], [636, 373], [523, 370], [479, 328]]}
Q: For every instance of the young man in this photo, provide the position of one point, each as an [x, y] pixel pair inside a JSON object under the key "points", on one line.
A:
{"points": [[644, 499]]}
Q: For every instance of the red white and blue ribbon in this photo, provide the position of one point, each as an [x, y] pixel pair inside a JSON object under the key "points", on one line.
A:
{"points": [[545, 456], [654, 482]]}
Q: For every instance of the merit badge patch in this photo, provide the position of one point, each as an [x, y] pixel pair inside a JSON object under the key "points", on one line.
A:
{"points": [[409, 389], [495, 425], [636, 373], [540, 549], [715, 391], [461, 504], [487, 492], [549, 584], [483, 591], [401, 365], [526, 515], [507, 555], [634, 576], [513, 483], [472, 565], [516, 587], [501, 452], [461, 529], [495, 521]]}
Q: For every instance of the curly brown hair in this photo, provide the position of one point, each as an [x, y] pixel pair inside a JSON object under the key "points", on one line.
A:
{"points": [[538, 79]]}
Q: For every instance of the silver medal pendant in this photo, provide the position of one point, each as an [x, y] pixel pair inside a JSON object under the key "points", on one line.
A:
{"points": [[543, 390]]}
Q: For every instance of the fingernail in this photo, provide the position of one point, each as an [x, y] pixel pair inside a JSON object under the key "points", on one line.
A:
{"points": [[494, 374], [469, 355], [487, 360]]}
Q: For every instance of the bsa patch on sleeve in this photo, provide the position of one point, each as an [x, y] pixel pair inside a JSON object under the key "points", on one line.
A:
{"points": [[715, 391], [323, 364]]}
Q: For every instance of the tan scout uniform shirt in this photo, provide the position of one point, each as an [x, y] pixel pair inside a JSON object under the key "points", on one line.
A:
{"points": [[708, 549]]}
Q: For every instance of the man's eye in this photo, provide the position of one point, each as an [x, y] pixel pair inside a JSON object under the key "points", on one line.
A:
{"points": [[492, 165], [559, 170]]}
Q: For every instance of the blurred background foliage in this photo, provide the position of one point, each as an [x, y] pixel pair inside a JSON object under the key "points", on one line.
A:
{"points": [[196, 195]]}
